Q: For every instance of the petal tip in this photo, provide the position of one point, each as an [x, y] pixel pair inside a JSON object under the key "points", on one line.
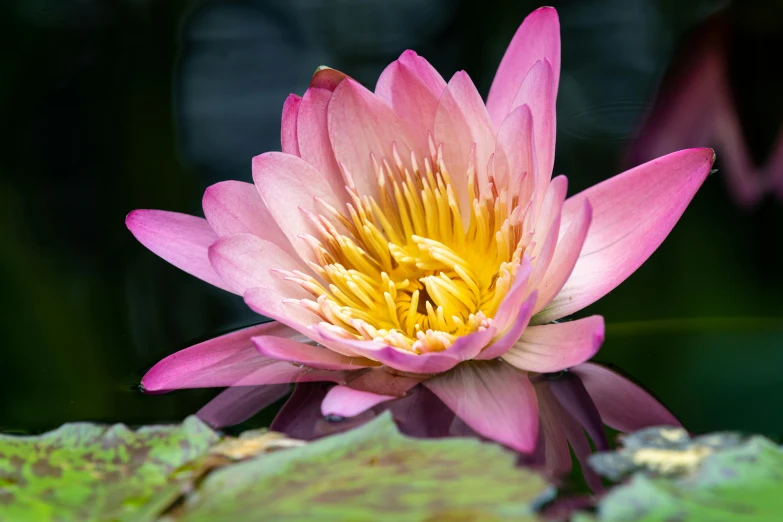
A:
{"points": [[259, 161], [149, 384], [460, 75], [548, 9], [140, 221], [292, 98], [327, 78], [209, 192], [132, 219], [599, 335], [546, 13]]}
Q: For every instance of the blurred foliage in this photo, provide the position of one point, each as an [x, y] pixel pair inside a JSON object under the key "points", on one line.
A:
{"points": [[90, 472], [123, 104], [715, 478], [189, 472], [666, 452], [372, 473]]}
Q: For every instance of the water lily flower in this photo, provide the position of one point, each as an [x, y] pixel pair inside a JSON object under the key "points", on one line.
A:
{"points": [[415, 235]]}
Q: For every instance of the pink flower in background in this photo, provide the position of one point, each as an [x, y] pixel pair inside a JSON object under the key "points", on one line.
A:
{"points": [[415, 235], [695, 105]]}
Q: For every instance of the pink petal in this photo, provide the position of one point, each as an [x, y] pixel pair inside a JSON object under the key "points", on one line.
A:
{"points": [[509, 308], [623, 405], [507, 340], [538, 91], [229, 360], [233, 207], [314, 145], [270, 303], [412, 87], [582, 451], [543, 252], [515, 154], [347, 402], [464, 348], [288, 139], [308, 355], [462, 122], [423, 71], [383, 381], [569, 390], [300, 417], [558, 421], [327, 78], [287, 183], [565, 257], [180, 239], [421, 414], [320, 333], [246, 261], [551, 209], [237, 404], [361, 126], [494, 399], [547, 229], [538, 38], [555, 347], [632, 214], [557, 455]]}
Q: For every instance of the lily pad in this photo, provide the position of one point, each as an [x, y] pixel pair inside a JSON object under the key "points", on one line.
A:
{"points": [[87, 472], [371, 473], [662, 451], [741, 483]]}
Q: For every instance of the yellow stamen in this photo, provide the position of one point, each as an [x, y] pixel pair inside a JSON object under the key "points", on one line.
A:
{"points": [[402, 268]]}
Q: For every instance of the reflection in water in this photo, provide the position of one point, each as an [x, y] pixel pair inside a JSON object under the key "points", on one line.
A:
{"points": [[720, 92], [574, 408]]}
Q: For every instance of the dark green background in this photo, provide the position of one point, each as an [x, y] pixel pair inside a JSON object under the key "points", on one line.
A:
{"points": [[108, 106]]}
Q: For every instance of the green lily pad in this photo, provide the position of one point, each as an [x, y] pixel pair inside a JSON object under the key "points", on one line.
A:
{"points": [[662, 451], [371, 473], [743, 483], [87, 472]]}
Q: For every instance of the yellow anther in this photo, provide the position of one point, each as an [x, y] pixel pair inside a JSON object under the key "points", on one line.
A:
{"points": [[402, 268]]}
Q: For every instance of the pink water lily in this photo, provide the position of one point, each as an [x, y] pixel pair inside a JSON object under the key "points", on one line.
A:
{"points": [[415, 235]]}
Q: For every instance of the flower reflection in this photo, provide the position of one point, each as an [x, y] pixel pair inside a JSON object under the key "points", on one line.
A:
{"points": [[574, 408]]}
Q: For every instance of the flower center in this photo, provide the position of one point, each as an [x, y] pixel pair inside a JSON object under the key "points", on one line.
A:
{"points": [[403, 269]]}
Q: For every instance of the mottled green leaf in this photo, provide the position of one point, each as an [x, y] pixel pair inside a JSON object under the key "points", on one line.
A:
{"points": [[372, 473], [661, 451], [743, 483], [87, 472]]}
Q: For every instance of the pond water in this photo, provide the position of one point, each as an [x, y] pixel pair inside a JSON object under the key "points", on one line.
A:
{"points": [[143, 104]]}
